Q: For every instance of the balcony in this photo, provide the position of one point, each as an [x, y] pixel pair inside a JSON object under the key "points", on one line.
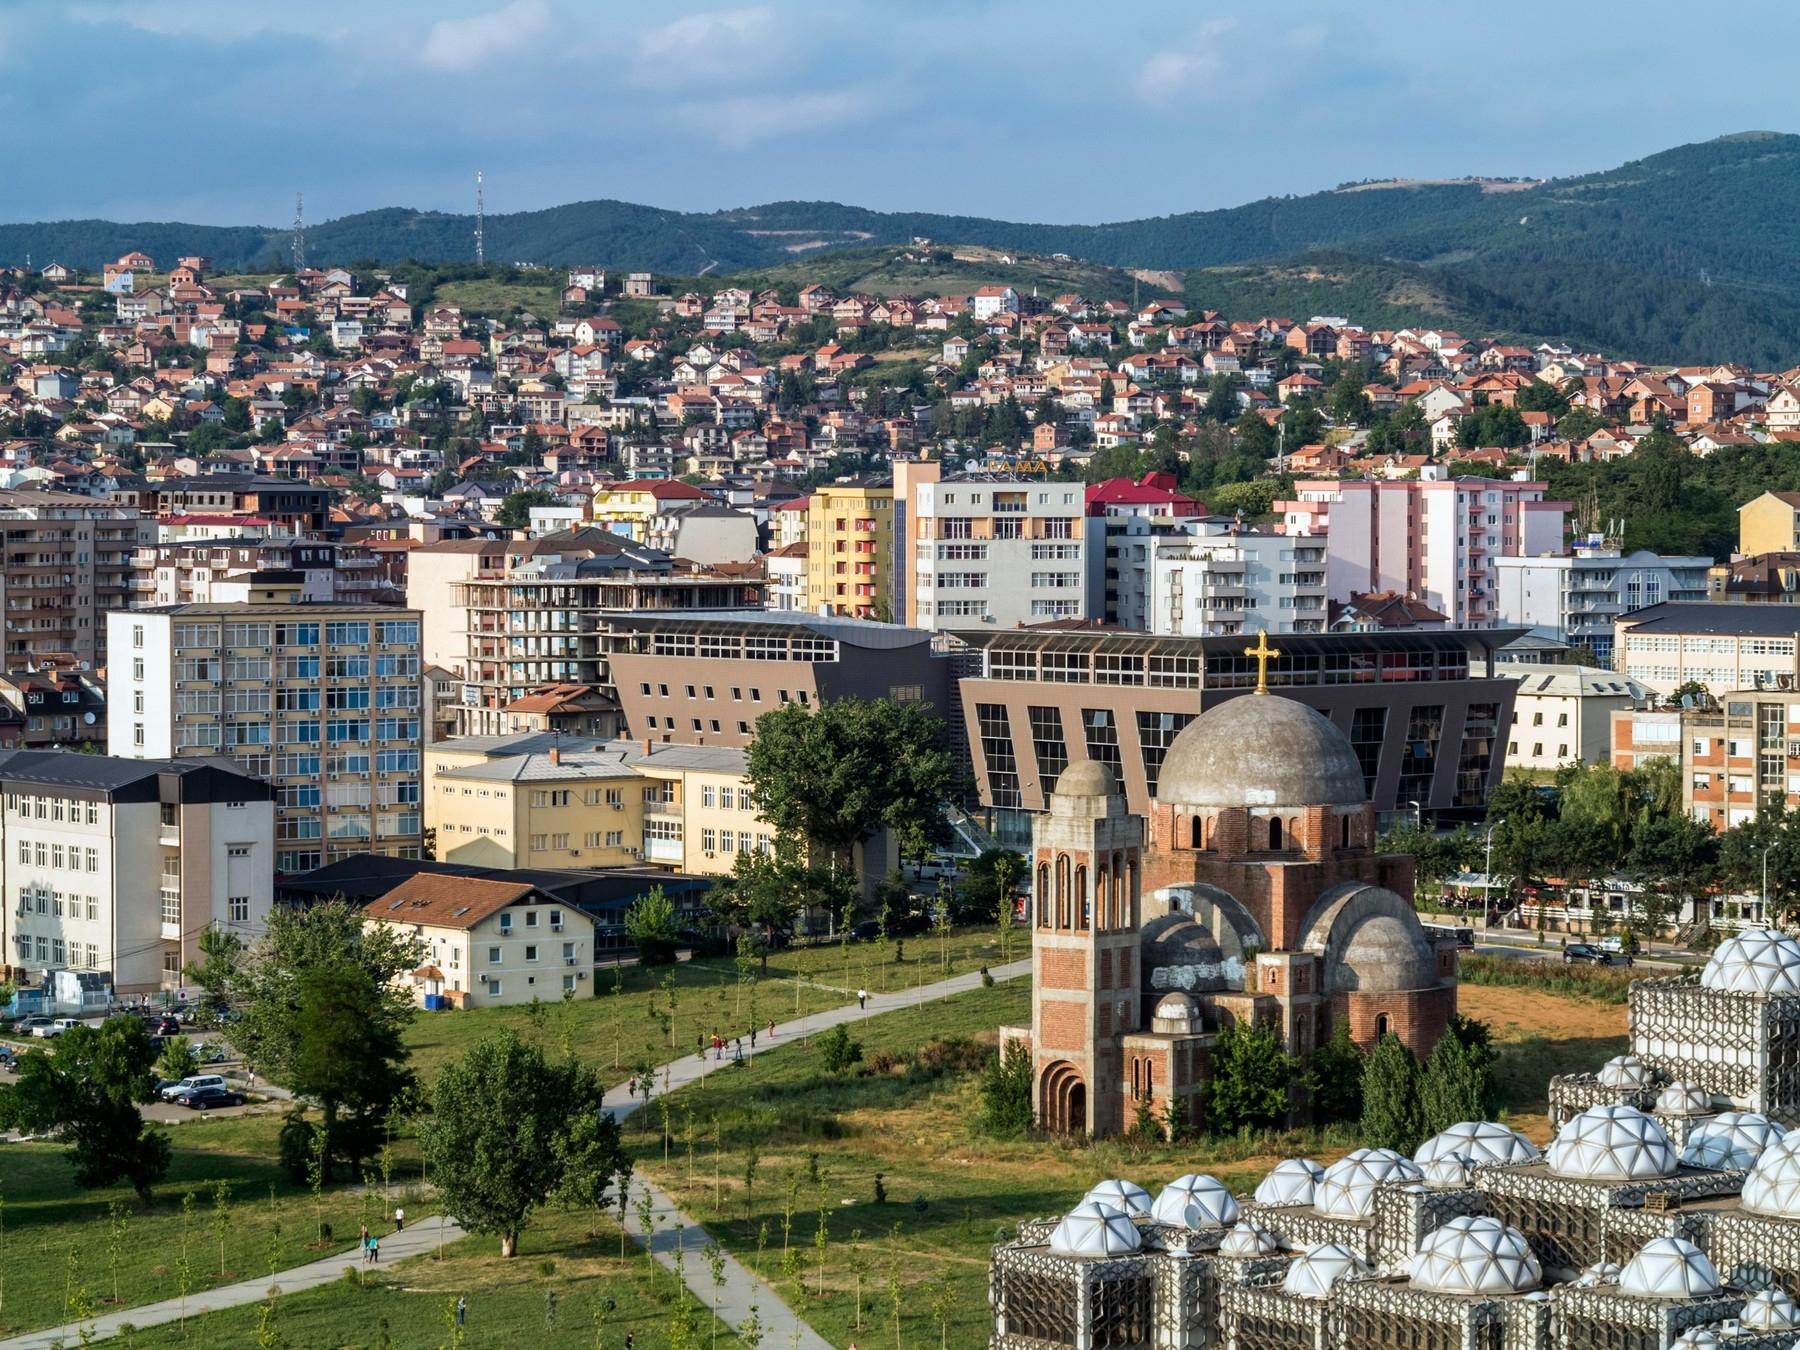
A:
{"points": [[170, 932], [169, 836], [663, 851]]}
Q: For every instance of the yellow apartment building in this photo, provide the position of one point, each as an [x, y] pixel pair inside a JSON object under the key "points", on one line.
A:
{"points": [[539, 800], [850, 542], [1770, 524]]}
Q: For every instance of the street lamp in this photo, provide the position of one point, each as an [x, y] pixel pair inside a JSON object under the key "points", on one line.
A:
{"points": [[1763, 916], [1487, 873]]}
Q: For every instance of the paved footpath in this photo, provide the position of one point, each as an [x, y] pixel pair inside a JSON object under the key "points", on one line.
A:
{"points": [[742, 1287], [416, 1240]]}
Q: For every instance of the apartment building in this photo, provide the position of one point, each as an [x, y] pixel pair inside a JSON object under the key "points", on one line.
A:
{"points": [[118, 865], [198, 570], [1438, 538], [1424, 709], [511, 615], [67, 561], [980, 549], [302, 508], [547, 802], [850, 542], [1739, 753], [1577, 596], [489, 943], [704, 679], [1770, 524], [1211, 578], [321, 700], [1563, 714], [1125, 515], [1719, 646]]}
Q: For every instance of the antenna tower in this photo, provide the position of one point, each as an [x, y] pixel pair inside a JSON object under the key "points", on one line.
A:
{"points": [[299, 233], [480, 242]]}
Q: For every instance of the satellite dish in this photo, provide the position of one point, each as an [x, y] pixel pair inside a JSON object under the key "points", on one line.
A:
{"points": [[89, 718]]}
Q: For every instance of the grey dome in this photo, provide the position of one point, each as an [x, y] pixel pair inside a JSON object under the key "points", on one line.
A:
{"points": [[1386, 954], [1089, 778], [1261, 750]]}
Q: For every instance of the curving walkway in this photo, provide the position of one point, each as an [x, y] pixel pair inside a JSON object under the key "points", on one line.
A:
{"points": [[742, 1286]]}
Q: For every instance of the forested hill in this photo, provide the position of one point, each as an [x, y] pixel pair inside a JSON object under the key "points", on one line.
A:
{"points": [[1685, 255]]}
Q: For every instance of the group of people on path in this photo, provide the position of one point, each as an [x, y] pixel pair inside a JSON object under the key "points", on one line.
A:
{"points": [[371, 1242]]}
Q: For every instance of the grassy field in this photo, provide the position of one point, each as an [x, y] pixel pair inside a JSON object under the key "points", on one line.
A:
{"points": [[409, 1306], [617, 1030], [59, 1245], [1541, 1032], [486, 295]]}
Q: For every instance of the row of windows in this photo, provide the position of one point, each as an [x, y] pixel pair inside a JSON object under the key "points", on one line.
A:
{"points": [[737, 694], [29, 806], [43, 900], [53, 952], [345, 633], [734, 841], [748, 648], [37, 854]]}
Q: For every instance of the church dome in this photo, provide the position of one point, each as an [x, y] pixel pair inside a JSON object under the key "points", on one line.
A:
{"points": [[1756, 961], [1176, 1014], [1612, 1143], [1669, 1267], [1311, 1275], [1384, 954], [1731, 1140], [1180, 952], [1474, 1254], [1093, 1229], [1481, 1141], [1089, 778], [1261, 750], [1195, 1202]]}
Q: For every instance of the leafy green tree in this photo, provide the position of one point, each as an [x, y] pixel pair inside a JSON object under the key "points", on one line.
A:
{"points": [[177, 1060], [1006, 1106], [350, 1059], [220, 952], [1334, 1074], [85, 1090], [1457, 1082], [1674, 858], [835, 775], [651, 925], [837, 1052], [515, 509], [1392, 1116], [1252, 1075], [986, 886], [510, 1130]]}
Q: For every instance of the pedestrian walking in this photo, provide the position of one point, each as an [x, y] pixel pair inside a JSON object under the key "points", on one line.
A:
{"points": [[462, 1311], [374, 1250], [862, 1001], [771, 1028], [399, 1218], [364, 1240], [753, 1038]]}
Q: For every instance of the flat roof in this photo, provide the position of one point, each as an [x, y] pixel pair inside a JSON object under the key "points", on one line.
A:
{"points": [[1130, 641], [1712, 616], [761, 622]]}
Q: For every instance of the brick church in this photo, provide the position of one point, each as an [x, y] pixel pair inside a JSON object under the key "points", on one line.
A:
{"points": [[1252, 891]]}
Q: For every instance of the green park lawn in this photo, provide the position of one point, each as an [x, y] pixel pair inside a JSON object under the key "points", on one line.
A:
{"points": [[58, 1244], [616, 1030]]}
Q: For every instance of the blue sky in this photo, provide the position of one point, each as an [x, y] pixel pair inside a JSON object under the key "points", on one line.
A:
{"points": [[1051, 110]]}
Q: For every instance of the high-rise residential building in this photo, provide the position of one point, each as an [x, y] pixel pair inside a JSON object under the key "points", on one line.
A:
{"points": [[850, 543], [1214, 579], [1436, 538], [64, 562], [119, 865], [982, 549], [1128, 514], [1575, 597], [511, 615], [322, 700], [1739, 753]]}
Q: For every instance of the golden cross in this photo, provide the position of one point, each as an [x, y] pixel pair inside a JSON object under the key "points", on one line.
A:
{"points": [[1264, 654]]}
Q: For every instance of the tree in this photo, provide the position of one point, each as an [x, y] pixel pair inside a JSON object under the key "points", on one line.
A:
{"points": [[515, 509], [985, 889], [1673, 857], [651, 926], [350, 1059], [507, 1133], [177, 1060], [765, 891], [1391, 1114], [1251, 1077], [835, 775], [1457, 1082], [1335, 1074], [220, 951], [1006, 1106], [837, 1051], [85, 1091]]}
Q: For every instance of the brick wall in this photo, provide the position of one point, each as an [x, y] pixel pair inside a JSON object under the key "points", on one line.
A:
{"points": [[1061, 969], [1062, 1026], [1417, 1018]]}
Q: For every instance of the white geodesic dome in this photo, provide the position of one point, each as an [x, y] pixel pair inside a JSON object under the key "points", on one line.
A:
{"points": [[1292, 1181], [1249, 1239], [1601, 1272], [1094, 1229], [1126, 1196], [1626, 1073], [1347, 1190], [1696, 1338], [1770, 1310], [1730, 1140], [1669, 1267], [1612, 1143], [1475, 1254], [1448, 1171], [1756, 961], [1480, 1141], [1683, 1099], [1773, 1186], [1313, 1273], [1195, 1201]]}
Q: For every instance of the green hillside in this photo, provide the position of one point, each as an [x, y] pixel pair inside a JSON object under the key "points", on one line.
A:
{"points": [[1684, 255]]}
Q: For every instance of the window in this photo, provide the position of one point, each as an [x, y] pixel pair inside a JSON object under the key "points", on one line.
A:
{"points": [[709, 840], [531, 951], [531, 918], [494, 988], [93, 860], [238, 907], [493, 956]]}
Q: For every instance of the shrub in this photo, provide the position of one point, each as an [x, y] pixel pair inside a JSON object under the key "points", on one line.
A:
{"points": [[838, 1051], [1603, 984], [1391, 1116], [1006, 1108]]}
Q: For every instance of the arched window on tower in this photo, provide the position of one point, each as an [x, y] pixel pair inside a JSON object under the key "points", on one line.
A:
{"points": [[1343, 831], [1381, 1025], [1198, 838], [1274, 832], [1082, 907], [1062, 892]]}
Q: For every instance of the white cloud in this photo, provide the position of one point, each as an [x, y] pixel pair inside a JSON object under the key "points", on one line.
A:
{"points": [[1168, 76], [741, 122], [463, 44], [701, 35]]}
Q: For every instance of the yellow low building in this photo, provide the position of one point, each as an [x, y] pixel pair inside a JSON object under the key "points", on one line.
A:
{"points": [[1770, 524], [540, 800]]}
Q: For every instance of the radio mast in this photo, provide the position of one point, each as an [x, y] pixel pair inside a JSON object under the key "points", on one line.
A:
{"points": [[480, 243], [299, 249]]}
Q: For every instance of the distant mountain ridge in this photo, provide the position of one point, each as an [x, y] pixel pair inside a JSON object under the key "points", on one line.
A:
{"points": [[1684, 255]]}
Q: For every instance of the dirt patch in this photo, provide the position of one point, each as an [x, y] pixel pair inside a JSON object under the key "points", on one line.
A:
{"points": [[1169, 281], [1538, 1036]]}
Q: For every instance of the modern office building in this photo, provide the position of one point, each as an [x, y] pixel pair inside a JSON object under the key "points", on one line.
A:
{"points": [[704, 679], [1575, 597], [1719, 646], [850, 544], [118, 865], [1437, 538], [1424, 710], [1563, 714], [67, 561], [323, 701]]}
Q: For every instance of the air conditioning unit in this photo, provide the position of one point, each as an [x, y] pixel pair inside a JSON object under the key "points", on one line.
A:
{"points": [[581, 974], [571, 960]]}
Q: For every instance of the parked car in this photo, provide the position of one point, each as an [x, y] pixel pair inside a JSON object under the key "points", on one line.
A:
{"points": [[211, 1053], [8, 1058], [32, 1026], [188, 1084], [1577, 952], [57, 1026], [161, 1024], [866, 931], [206, 1098]]}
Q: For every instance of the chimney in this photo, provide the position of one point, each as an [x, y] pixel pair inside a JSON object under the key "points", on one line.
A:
{"points": [[555, 748]]}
